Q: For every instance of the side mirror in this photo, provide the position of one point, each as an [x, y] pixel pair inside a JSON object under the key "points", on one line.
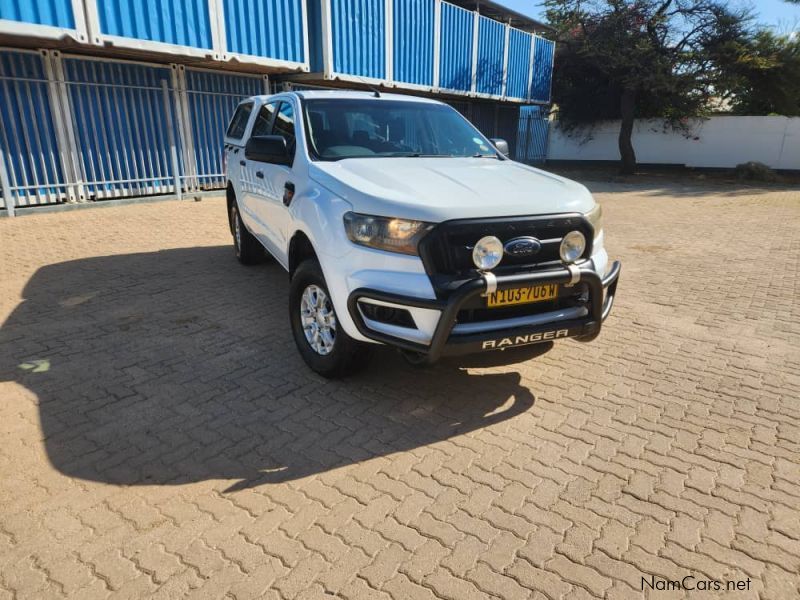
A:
{"points": [[268, 149], [501, 145]]}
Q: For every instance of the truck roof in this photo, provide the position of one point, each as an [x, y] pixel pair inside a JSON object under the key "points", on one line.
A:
{"points": [[352, 94]]}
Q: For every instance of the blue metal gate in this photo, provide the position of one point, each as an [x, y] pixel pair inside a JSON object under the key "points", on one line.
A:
{"points": [[80, 129], [211, 99], [532, 134], [124, 120], [31, 169]]}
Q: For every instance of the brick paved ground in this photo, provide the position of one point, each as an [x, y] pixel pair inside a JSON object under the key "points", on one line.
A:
{"points": [[159, 435]]}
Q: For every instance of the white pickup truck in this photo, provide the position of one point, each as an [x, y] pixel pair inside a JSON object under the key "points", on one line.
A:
{"points": [[400, 223]]}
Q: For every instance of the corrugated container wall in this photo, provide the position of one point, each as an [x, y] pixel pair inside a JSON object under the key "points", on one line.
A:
{"points": [[429, 44], [477, 55], [491, 45], [542, 69], [315, 42], [413, 41], [55, 13], [178, 22], [519, 64], [455, 50], [359, 37], [265, 28], [44, 19], [263, 32]]}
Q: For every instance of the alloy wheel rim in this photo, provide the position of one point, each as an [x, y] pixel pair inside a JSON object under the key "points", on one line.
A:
{"points": [[318, 320]]}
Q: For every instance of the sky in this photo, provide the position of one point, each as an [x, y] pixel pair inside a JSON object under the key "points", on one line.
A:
{"points": [[781, 15]]}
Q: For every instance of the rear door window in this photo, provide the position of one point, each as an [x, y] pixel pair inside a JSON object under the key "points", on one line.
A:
{"points": [[263, 124], [239, 121]]}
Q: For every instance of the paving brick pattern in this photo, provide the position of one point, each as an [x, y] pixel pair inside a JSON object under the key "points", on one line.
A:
{"points": [[160, 437]]}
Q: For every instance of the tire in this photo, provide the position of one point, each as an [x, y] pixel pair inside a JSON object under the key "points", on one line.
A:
{"points": [[329, 351], [247, 248]]}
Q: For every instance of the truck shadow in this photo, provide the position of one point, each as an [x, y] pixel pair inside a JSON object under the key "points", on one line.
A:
{"points": [[178, 366]]}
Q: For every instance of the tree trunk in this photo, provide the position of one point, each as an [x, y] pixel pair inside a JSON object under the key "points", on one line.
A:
{"points": [[626, 152]]}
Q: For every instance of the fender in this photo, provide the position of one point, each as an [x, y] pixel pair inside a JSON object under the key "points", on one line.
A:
{"points": [[318, 214]]}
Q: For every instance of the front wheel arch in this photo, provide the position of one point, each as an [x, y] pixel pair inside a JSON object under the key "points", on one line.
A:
{"points": [[300, 249]]}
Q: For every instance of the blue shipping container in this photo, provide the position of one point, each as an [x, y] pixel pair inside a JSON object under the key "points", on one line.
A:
{"points": [[56, 13], [519, 58], [491, 44], [542, 70], [180, 22], [315, 41], [268, 28], [455, 51], [413, 41], [358, 28]]}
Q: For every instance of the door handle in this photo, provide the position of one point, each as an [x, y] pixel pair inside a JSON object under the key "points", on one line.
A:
{"points": [[260, 174], [288, 193], [236, 151], [243, 163]]}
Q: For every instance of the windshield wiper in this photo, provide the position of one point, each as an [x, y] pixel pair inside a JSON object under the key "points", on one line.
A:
{"points": [[416, 155]]}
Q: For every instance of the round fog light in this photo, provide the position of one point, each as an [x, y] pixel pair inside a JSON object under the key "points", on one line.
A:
{"points": [[488, 253], [572, 246]]}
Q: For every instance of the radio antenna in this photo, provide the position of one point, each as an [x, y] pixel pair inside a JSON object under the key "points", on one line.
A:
{"points": [[375, 91]]}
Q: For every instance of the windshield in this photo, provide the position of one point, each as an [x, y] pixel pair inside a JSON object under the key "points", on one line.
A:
{"points": [[361, 128]]}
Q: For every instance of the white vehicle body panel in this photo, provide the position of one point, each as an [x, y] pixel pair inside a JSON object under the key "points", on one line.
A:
{"points": [[438, 189]]}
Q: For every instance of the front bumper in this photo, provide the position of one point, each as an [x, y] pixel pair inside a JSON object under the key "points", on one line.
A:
{"points": [[447, 342]]}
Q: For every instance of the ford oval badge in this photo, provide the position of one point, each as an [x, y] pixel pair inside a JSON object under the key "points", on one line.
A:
{"points": [[522, 246]]}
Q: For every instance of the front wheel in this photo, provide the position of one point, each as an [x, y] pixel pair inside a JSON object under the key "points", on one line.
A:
{"points": [[323, 344]]}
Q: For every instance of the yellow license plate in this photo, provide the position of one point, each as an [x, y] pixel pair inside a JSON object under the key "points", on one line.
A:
{"points": [[526, 295]]}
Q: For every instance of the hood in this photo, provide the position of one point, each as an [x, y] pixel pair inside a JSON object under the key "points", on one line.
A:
{"points": [[440, 189]]}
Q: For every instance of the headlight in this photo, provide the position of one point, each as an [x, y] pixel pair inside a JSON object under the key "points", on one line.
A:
{"points": [[385, 233], [595, 218], [572, 246], [487, 253]]}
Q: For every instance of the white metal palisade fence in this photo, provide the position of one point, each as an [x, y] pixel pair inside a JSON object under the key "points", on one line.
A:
{"points": [[80, 129]]}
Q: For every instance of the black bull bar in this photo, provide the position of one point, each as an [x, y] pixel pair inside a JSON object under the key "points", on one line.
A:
{"points": [[444, 344]]}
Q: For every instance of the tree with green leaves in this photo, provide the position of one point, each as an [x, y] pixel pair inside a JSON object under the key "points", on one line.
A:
{"points": [[628, 59], [761, 75]]}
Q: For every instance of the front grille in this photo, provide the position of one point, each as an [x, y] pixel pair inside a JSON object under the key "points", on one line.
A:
{"points": [[447, 249]]}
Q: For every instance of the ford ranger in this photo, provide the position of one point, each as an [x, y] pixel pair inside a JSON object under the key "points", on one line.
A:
{"points": [[399, 223]]}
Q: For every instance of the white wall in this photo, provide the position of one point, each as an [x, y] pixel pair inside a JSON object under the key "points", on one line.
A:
{"points": [[716, 142]]}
